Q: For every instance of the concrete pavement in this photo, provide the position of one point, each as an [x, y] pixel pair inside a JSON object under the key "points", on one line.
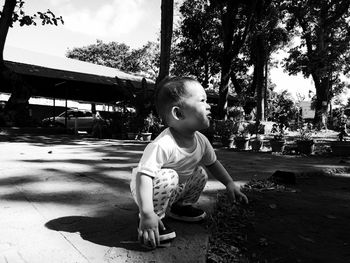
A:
{"points": [[67, 199]]}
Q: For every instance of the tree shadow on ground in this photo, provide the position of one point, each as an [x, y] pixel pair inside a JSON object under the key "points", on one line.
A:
{"points": [[41, 140], [111, 169], [59, 139]]}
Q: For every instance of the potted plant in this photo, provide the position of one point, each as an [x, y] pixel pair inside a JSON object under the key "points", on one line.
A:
{"points": [[225, 129], [148, 122], [156, 128], [130, 126], [242, 141], [242, 138], [342, 146], [305, 142], [278, 141], [257, 141]]}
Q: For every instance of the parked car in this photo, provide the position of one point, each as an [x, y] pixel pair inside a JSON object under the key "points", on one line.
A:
{"points": [[83, 119]]}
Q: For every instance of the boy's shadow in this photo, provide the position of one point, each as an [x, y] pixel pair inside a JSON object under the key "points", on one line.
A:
{"points": [[108, 231]]}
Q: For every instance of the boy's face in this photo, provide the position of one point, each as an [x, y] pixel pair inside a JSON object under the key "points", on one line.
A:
{"points": [[195, 107]]}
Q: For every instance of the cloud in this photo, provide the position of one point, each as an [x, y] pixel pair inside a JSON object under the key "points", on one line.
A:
{"points": [[107, 19]]}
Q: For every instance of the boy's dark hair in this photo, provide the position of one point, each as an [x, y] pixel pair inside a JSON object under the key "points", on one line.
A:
{"points": [[169, 93]]}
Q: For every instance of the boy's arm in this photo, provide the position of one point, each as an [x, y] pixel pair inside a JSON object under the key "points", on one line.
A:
{"points": [[148, 229], [221, 174], [144, 193]]}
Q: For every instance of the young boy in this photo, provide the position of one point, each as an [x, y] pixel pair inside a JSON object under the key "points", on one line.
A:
{"points": [[170, 176]]}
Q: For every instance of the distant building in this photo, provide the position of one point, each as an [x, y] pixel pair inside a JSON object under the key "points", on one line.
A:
{"points": [[59, 83], [70, 79], [305, 110]]}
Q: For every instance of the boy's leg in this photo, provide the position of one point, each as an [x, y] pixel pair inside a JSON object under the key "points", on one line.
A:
{"points": [[164, 187], [187, 195], [164, 184]]}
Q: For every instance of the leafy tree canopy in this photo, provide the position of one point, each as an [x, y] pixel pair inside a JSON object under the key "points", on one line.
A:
{"points": [[20, 16], [281, 107], [324, 49], [198, 41], [142, 61]]}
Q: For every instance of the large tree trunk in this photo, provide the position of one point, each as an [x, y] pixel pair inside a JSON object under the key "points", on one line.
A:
{"points": [[226, 60], [206, 73], [258, 83], [260, 87], [232, 45], [167, 10], [5, 22], [322, 102], [17, 107], [224, 86]]}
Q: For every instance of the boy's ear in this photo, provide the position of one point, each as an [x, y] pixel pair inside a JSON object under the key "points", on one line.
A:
{"points": [[176, 113]]}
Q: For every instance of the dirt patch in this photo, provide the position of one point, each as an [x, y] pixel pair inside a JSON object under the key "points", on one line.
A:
{"points": [[305, 222]]}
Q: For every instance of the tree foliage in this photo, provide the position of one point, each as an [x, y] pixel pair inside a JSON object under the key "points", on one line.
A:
{"points": [[281, 107], [47, 18], [266, 36], [111, 54], [143, 61], [230, 38], [210, 40], [236, 24], [198, 46], [13, 12], [243, 34], [323, 52]]}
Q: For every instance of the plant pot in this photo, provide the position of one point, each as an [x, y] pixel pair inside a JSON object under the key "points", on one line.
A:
{"points": [[256, 145], [227, 142], [131, 135], [277, 145], [341, 148], [242, 143], [305, 147], [146, 136]]}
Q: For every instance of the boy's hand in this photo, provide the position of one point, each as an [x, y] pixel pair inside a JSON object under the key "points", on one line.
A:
{"points": [[148, 231], [235, 193]]}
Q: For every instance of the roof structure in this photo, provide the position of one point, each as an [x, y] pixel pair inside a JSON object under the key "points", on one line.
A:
{"points": [[58, 77]]}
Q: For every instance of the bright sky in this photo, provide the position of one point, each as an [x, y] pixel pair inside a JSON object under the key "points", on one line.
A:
{"points": [[133, 22]]}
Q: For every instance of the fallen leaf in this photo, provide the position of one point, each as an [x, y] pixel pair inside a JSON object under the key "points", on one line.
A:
{"points": [[306, 239], [263, 242]]}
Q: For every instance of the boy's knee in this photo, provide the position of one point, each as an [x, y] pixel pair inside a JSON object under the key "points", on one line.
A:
{"points": [[204, 173], [168, 178]]}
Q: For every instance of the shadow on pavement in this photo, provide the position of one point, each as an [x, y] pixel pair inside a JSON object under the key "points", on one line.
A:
{"points": [[110, 231]]}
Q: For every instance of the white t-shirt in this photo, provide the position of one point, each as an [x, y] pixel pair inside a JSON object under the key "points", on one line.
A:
{"points": [[164, 153]]}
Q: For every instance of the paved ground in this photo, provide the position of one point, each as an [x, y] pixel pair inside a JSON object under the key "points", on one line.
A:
{"points": [[66, 199]]}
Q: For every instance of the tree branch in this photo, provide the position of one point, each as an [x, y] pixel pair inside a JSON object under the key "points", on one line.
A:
{"points": [[340, 10]]}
